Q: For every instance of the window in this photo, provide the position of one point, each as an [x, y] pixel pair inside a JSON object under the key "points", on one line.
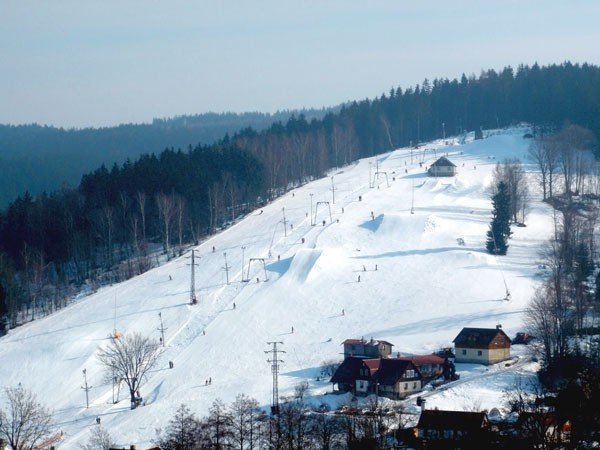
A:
{"points": [[415, 385], [479, 353], [405, 386], [464, 352]]}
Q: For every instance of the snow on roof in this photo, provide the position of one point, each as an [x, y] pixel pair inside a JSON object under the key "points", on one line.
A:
{"points": [[365, 342]]}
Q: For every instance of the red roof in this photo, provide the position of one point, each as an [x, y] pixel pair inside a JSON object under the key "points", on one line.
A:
{"points": [[353, 342], [373, 365], [419, 360]]}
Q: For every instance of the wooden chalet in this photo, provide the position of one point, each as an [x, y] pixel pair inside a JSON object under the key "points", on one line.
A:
{"points": [[482, 345], [451, 427], [393, 378]]}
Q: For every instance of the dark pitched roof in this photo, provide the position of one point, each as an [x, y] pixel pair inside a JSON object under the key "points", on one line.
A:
{"points": [[434, 419], [391, 370], [477, 337], [443, 161], [349, 370]]}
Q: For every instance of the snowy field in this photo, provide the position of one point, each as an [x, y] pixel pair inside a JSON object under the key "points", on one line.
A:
{"points": [[425, 289]]}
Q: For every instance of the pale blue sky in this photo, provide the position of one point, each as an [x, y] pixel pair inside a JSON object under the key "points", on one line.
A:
{"points": [[77, 63]]}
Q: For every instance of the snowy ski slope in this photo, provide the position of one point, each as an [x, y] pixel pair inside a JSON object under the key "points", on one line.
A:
{"points": [[425, 289]]}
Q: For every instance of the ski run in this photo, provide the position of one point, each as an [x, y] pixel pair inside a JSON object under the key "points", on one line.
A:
{"points": [[367, 268]]}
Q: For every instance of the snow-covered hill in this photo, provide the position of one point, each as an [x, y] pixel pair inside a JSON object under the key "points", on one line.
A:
{"points": [[418, 287]]}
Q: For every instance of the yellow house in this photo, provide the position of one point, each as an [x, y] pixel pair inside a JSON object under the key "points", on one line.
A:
{"points": [[482, 345]]}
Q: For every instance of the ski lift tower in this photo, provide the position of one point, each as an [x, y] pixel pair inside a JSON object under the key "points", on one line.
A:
{"points": [[264, 265], [193, 298], [274, 360], [317, 210]]}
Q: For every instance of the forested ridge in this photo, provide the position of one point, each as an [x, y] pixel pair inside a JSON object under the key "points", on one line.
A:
{"points": [[37, 158], [103, 229]]}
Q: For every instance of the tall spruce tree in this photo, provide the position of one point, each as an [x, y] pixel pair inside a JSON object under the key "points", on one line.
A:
{"points": [[499, 232]]}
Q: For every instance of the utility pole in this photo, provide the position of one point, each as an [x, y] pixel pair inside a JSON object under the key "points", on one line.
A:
{"points": [[332, 191], [444, 130], [226, 268], [311, 209], [161, 329], [86, 388], [284, 222], [243, 251], [274, 360], [370, 164], [412, 203], [193, 299]]}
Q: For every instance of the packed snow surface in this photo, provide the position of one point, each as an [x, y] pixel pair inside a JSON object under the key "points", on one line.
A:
{"points": [[419, 285]]}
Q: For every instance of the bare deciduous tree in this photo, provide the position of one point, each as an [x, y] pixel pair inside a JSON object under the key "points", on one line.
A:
{"points": [[129, 358], [183, 432], [166, 211], [141, 201], [180, 210], [511, 172], [100, 439], [244, 415], [26, 422], [574, 145]]}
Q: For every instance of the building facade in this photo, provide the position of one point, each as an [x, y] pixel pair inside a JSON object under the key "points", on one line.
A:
{"points": [[482, 345], [443, 167]]}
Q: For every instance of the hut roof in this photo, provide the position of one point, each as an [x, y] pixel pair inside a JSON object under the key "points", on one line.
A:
{"points": [[443, 161]]}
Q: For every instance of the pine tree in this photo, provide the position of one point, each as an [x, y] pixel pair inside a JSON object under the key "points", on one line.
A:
{"points": [[499, 231]]}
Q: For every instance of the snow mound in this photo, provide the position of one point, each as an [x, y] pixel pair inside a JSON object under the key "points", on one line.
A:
{"points": [[302, 265]]}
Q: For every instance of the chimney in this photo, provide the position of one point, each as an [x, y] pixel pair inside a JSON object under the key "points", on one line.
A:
{"points": [[499, 326]]}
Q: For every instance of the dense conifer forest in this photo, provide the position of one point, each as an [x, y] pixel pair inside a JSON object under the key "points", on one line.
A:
{"points": [[37, 158], [105, 229]]}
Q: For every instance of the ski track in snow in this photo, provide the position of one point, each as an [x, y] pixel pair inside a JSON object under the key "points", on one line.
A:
{"points": [[425, 289]]}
